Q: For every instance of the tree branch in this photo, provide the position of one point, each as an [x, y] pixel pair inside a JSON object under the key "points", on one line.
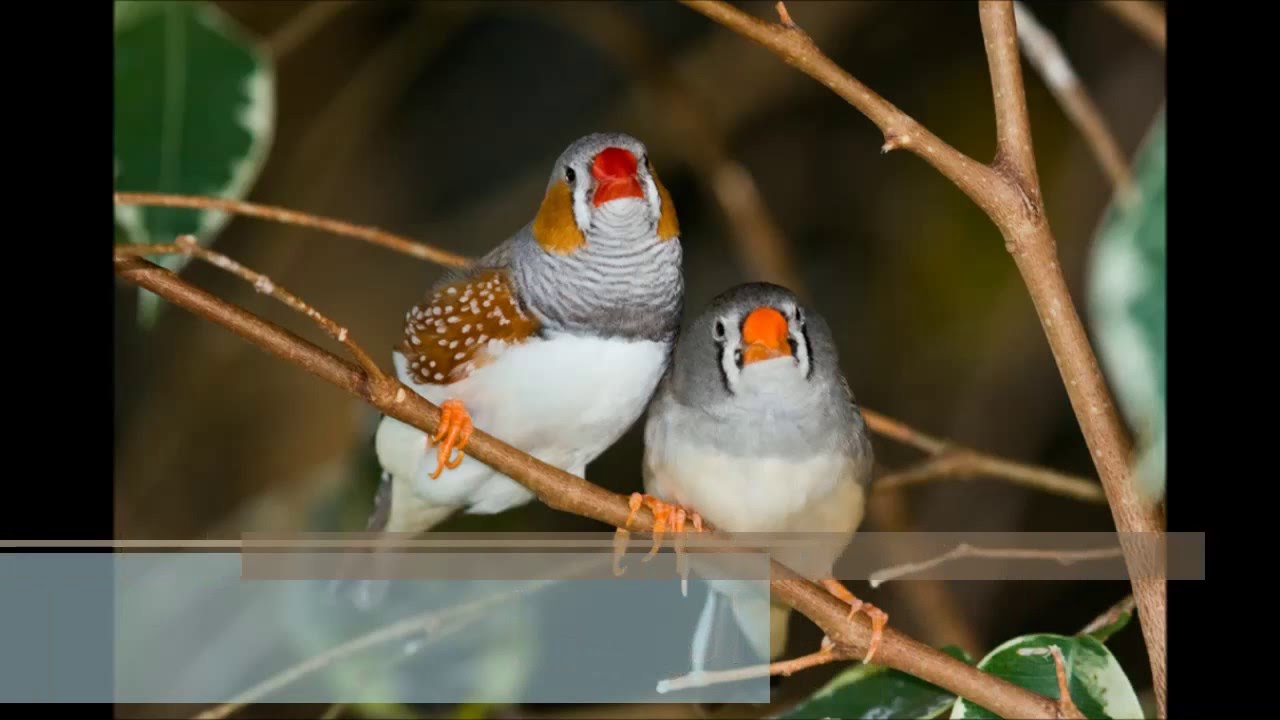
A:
{"points": [[963, 464], [291, 217], [187, 245], [1015, 156], [568, 493], [1008, 191], [965, 550], [1051, 62], [1145, 18], [1017, 473]]}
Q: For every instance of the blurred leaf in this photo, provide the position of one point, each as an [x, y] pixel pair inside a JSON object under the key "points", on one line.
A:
{"points": [[1098, 685], [875, 691], [194, 114], [1127, 286]]}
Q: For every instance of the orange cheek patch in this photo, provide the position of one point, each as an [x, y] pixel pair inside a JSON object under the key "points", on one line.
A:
{"points": [[554, 227], [668, 225]]}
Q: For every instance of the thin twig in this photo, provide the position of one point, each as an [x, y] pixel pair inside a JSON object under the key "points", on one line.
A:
{"points": [[427, 624], [1051, 62], [568, 493], [294, 31], [717, 677], [962, 464], [292, 217], [1146, 18], [1066, 706], [952, 460], [965, 550], [1110, 616], [187, 245], [1008, 190]]}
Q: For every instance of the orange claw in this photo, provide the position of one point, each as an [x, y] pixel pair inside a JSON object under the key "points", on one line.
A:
{"points": [[455, 429], [878, 617], [663, 513]]}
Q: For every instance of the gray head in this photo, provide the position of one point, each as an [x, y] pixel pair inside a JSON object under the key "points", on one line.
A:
{"points": [[757, 352], [609, 179], [603, 253]]}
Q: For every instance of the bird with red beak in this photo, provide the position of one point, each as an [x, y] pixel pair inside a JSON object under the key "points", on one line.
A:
{"points": [[553, 341]]}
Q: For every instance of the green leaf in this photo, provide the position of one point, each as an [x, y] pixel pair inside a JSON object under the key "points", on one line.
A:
{"points": [[194, 115], [1127, 288], [1098, 685], [875, 691]]}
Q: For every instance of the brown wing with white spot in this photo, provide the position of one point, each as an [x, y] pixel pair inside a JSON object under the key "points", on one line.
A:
{"points": [[449, 335]]}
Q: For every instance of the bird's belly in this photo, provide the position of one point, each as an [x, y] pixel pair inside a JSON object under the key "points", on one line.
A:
{"points": [[564, 400], [757, 494]]}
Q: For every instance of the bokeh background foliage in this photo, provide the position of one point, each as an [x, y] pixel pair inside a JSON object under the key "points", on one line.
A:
{"points": [[437, 120], [194, 114]]}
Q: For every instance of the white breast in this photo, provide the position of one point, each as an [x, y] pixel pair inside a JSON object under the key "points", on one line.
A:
{"points": [[745, 494], [564, 399]]}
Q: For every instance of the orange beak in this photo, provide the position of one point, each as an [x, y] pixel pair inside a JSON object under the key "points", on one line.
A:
{"points": [[765, 333], [615, 172]]}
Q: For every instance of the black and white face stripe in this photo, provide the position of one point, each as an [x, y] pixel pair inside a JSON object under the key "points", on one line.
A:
{"points": [[726, 331]]}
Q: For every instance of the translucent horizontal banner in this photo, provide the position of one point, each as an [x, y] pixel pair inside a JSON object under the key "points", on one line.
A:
{"points": [[189, 627], [465, 617]]}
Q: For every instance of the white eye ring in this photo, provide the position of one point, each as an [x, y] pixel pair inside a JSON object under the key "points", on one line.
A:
{"points": [[717, 330]]}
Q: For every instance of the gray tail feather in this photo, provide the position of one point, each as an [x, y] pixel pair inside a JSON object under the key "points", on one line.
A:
{"points": [[365, 593], [729, 633]]}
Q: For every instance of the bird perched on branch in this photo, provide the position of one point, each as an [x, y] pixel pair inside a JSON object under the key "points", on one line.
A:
{"points": [[552, 342], [755, 429]]}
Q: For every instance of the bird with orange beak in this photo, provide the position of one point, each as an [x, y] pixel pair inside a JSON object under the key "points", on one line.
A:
{"points": [[756, 430], [552, 342]]}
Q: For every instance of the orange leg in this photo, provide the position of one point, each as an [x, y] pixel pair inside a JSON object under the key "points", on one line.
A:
{"points": [[663, 514], [455, 430], [878, 617]]}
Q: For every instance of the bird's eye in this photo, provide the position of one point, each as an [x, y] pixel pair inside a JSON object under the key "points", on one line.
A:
{"points": [[569, 174], [719, 330]]}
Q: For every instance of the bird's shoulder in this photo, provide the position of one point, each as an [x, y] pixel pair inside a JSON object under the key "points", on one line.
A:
{"points": [[450, 332]]}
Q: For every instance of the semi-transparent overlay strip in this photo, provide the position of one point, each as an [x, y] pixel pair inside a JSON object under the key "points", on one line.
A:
{"points": [[464, 617]]}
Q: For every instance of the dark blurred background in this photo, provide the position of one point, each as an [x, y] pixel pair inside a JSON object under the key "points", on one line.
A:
{"points": [[438, 120]]}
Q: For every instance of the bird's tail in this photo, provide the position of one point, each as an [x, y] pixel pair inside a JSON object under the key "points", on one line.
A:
{"points": [[738, 628], [363, 577]]}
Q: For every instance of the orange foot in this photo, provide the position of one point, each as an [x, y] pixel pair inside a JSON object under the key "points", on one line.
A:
{"points": [[878, 617], [455, 429], [663, 514]]}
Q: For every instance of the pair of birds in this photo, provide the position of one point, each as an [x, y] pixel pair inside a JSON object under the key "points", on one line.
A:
{"points": [[558, 340]]}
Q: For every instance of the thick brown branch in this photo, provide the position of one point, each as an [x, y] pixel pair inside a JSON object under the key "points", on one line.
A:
{"points": [[570, 493], [1009, 192], [1146, 18], [1048, 58], [292, 217]]}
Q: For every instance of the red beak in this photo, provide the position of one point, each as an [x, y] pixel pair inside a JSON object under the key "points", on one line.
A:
{"points": [[615, 172]]}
